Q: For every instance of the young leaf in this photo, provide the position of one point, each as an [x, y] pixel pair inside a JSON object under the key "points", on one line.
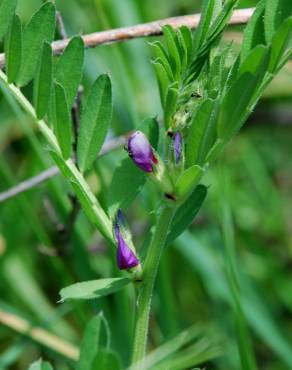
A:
{"points": [[253, 60], [93, 289], [173, 50], [41, 28], [90, 344], [13, 49], [207, 15], [202, 133], [170, 104], [188, 180], [161, 54], [7, 9], [63, 126], [235, 105], [43, 81], [276, 12], [185, 36], [186, 213], [40, 365], [95, 120], [162, 79], [254, 33], [69, 68], [280, 42]]}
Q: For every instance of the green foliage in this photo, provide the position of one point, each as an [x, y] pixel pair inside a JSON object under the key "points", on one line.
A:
{"points": [[207, 89], [126, 183], [13, 49], [201, 133], [90, 344], [7, 9], [93, 289], [186, 213], [188, 180], [62, 123], [95, 120], [40, 28], [276, 12], [43, 82], [69, 68]]}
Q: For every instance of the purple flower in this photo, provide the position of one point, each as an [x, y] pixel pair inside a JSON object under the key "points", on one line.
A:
{"points": [[177, 146], [141, 152], [126, 258]]}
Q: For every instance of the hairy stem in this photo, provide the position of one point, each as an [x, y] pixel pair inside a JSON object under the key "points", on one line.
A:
{"points": [[67, 167], [146, 289]]}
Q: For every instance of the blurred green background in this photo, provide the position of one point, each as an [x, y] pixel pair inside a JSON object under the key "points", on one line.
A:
{"points": [[37, 258]]}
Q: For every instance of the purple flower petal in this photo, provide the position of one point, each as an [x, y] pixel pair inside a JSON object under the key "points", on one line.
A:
{"points": [[141, 151], [177, 146], [126, 258]]}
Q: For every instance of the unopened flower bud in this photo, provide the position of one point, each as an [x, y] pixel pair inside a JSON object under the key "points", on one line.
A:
{"points": [[126, 258], [141, 152], [177, 146]]}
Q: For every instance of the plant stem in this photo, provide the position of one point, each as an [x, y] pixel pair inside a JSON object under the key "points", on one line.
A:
{"points": [[146, 289], [88, 200]]}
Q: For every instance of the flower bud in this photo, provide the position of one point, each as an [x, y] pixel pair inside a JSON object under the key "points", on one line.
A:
{"points": [[141, 152], [177, 146], [126, 258]]}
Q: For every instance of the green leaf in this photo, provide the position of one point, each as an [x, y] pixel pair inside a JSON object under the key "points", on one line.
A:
{"points": [[13, 49], [201, 134], [185, 37], [235, 105], [41, 28], [40, 365], [276, 12], [126, 183], [161, 54], [173, 50], [170, 104], [280, 42], [69, 68], [93, 289], [43, 82], [107, 359], [188, 180], [90, 344], [186, 213], [150, 127], [7, 9], [63, 125], [254, 31], [162, 79], [253, 60], [207, 16], [95, 120]]}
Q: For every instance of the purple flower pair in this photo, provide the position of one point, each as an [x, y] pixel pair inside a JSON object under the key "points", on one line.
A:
{"points": [[126, 258], [142, 153]]}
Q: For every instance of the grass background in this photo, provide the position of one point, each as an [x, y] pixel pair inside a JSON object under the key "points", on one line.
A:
{"points": [[253, 177]]}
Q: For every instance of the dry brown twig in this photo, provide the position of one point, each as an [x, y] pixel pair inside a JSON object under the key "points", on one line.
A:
{"points": [[240, 16]]}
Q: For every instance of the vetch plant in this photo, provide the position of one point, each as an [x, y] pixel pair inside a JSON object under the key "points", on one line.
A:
{"points": [[207, 91]]}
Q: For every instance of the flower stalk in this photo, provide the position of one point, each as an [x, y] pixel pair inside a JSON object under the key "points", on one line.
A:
{"points": [[146, 286]]}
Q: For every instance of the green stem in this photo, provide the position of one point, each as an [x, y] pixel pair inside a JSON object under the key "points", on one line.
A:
{"points": [[146, 289], [88, 200]]}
